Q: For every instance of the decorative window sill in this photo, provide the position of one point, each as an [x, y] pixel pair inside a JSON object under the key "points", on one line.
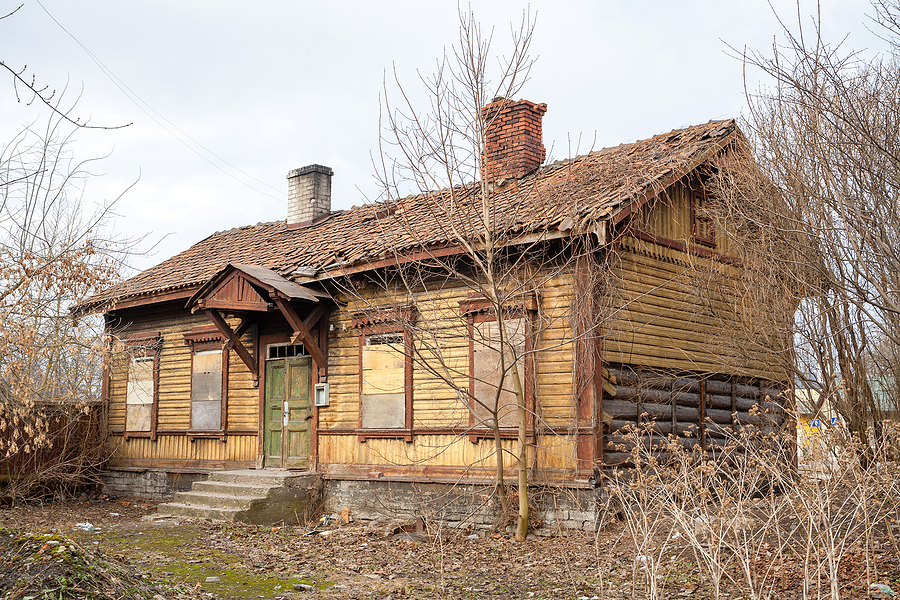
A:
{"points": [[207, 435], [365, 434]]}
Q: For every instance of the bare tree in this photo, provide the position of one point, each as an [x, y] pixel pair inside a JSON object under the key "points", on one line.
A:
{"points": [[816, 213], [54, 251], [27, 87], [438, 153]]}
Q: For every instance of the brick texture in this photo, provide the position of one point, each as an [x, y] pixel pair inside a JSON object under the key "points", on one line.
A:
{"points": [[309, 193], [512, 144]]}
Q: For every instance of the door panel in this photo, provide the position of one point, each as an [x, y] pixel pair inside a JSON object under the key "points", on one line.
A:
{"points": [[298, 425], [274, 411], [288, 410]]}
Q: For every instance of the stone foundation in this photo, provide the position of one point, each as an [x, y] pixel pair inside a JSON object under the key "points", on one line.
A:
{"points": [[149, 483], [556, 509], [461, 506]]}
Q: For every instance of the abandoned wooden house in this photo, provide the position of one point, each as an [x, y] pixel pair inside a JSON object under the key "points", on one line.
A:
{"points": [[313, 345]]}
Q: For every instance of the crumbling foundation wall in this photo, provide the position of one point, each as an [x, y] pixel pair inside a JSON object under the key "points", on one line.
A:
{"points": [[152, 484], [466, 506]]}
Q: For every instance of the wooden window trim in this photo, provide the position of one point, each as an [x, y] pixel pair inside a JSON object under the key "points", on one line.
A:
{"points": [[698, 196], [479, 309], [203, 339], [382, 321], [140, 346]]}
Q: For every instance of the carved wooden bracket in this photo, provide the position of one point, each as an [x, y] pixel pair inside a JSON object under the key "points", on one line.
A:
{"points": [[301, 331], [233, 340]]}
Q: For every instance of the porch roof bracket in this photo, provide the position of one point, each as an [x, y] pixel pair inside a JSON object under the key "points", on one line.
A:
{"points": [[301, 331], [313, 318], [234, 342]]}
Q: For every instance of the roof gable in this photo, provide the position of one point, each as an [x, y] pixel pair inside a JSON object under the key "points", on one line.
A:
{"points": [[250, 288]]}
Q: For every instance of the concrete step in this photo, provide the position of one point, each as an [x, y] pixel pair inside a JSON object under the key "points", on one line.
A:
{"points": [[250, 496], [257, 477], [232, 488], [199, 512], [216, 499]]}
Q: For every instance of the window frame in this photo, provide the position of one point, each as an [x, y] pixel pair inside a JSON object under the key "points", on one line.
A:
{"points": [[699, 200], [143, 346], [207, 339], [478, 309], [385, 322]]}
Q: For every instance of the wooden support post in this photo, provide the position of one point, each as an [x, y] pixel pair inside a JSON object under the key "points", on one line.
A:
{"points": [[598, 420], [242, 328], [249, 324], [703, 415], [222, 325], [734, 422]]}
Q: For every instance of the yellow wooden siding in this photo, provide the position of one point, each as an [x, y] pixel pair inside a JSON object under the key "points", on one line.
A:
{"points": [[556, 452], [554, 367], [118, 391], [452, 452], [174, 409], [343, 374], [178, 449], [175, 373], [424, 450], [243, 396], [441, 353], [666, 322], [670, 216]]}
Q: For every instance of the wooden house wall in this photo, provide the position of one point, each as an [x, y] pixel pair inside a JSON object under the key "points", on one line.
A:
{"points": [[439, 442], [657, 326], [669, 216], [712, 412], [173, 447], [678, 351], [673, 306]]}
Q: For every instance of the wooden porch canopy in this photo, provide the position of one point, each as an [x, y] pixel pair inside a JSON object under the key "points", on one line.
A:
{"points": [[247, 290]]}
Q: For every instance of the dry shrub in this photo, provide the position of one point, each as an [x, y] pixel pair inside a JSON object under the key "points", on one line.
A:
{"points": [[749, 517]]}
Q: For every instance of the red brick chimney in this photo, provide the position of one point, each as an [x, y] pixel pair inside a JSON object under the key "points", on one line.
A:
{"points": [[512, 144]]}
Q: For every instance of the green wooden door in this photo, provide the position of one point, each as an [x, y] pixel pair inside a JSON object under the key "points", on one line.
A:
{"points": [[288, 412]]}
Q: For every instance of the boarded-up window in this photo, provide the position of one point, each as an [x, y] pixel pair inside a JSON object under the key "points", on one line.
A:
{"points": [[206, 391], [384, 382], [491, 369], [703, 230], [141, 390]]}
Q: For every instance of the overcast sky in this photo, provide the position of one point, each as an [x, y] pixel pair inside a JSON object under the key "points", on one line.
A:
{"points": [[266, 87]]}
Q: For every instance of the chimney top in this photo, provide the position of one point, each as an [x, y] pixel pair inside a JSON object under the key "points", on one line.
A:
{"points": [[512, 142], [309, 194]]}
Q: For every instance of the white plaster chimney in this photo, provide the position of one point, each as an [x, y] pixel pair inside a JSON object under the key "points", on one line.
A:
{"points": [[309, 194]]}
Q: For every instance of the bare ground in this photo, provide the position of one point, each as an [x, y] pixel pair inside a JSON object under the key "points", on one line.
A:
{"points": [[175, 558]]}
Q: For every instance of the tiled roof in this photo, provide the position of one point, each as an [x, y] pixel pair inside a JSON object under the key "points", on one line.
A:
{"points": [[587, 190]]}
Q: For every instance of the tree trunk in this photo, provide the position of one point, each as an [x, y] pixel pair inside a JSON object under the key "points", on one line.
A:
{"points": [[521, 451]]}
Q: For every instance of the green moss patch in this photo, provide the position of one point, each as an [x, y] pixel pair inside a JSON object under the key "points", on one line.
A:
{"points": [[183, 556], [48, 566]]}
